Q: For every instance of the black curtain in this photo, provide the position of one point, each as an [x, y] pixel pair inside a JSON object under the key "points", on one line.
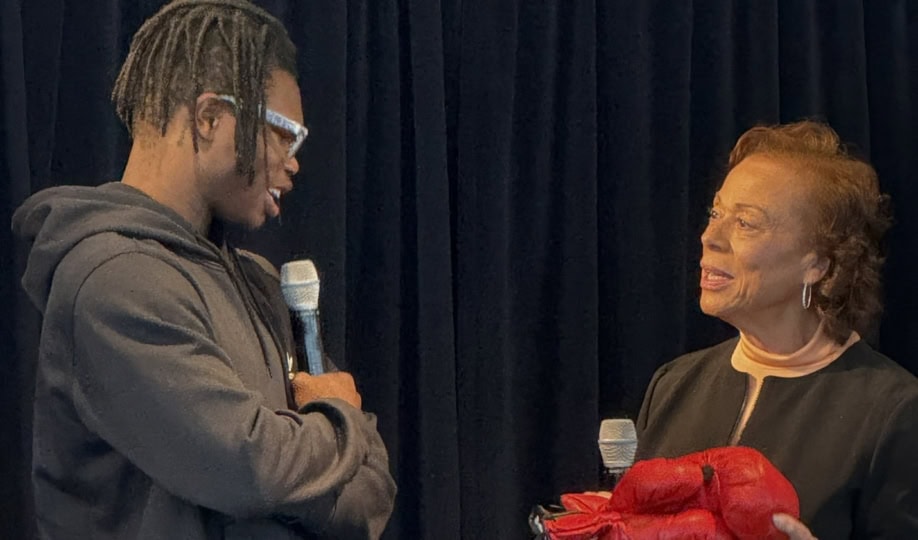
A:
{"points": [[504, 201]]}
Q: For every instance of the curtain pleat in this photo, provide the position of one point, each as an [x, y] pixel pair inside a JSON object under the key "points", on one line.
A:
{"points": [[504, 202]]}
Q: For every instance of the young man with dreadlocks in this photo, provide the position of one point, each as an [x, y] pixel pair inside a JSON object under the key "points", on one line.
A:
{"points": [[164, 407]]}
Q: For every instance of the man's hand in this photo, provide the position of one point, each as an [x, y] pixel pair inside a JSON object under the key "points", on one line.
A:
{"points": [[792, 527], [339, 385]]}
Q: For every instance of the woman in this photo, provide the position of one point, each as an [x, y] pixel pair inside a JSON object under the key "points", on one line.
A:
{"points": [[791, 259]]}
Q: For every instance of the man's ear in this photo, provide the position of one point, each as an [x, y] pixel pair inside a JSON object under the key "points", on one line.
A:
{"points": [[207, 112]]}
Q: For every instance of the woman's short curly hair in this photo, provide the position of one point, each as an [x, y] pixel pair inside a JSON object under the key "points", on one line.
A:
{"points": [[848, 218]]}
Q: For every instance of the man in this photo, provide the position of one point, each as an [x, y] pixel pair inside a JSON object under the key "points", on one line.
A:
{"points": [[164, 407]]}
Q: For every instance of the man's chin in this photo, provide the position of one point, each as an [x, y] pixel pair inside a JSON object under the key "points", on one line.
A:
{"points": [[254, 225], [249, 223]]}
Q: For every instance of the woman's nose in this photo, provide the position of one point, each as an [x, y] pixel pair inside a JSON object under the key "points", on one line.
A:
{"points": [[713, 235]]}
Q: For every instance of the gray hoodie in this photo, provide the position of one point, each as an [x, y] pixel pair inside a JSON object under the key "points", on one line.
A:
{"points": [[162, 401]]}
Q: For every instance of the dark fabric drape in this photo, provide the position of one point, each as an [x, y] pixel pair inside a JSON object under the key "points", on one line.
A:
{"points": [[503, 199]]}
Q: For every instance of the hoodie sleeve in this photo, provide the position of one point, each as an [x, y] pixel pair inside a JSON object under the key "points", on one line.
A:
{"points": [[152, 382]]}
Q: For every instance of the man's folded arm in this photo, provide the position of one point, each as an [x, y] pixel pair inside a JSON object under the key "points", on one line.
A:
{"points": [[151, 381]]}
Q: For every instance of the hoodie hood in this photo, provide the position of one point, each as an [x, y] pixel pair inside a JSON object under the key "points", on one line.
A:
{"points": [[55, 220]]}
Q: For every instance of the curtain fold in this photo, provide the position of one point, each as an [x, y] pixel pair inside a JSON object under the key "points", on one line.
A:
{"points": [[526, 282], [19, 329], [504, 202]]}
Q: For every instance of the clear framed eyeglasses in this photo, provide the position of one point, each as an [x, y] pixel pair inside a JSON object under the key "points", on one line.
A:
{"points": [[297, 131]]}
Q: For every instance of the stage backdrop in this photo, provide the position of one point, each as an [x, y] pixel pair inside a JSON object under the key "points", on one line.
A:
{"points": [[504, 200]]}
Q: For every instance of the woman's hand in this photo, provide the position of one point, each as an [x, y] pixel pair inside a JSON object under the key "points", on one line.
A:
{"points": [[792, 527]]}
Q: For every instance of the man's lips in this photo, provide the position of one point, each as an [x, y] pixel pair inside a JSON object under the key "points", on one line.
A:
{"points": [[272, 202]]}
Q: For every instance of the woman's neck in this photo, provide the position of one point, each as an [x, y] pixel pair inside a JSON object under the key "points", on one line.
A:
{"points": [[785, 337]]}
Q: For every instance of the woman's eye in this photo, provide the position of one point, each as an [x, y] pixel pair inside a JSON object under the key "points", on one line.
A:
{"points": [[713, 213], [743, 224]]}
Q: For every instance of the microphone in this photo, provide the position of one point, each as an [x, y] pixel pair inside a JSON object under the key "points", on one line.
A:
{"points": [[300, 286], [617, 446]]}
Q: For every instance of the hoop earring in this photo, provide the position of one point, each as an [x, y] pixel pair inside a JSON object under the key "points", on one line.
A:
{"points": [[807, 297]]}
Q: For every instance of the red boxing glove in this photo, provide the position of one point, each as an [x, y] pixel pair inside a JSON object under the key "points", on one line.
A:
{"points": [[665, 486], [751, 491], [688, 525], [587, 517], [721, 493], [695, 524]]}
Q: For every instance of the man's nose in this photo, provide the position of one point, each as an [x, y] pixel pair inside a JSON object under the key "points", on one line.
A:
{"points": [[292, 166]]}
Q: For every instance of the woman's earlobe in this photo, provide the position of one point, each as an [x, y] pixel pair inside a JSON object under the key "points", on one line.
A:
{"points": [[819, 268]]}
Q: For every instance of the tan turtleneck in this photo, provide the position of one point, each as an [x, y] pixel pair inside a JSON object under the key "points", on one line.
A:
{"points": [[758, 363]]}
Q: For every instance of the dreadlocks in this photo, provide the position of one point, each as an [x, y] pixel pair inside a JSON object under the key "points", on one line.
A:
{"points": [[192, 46]]}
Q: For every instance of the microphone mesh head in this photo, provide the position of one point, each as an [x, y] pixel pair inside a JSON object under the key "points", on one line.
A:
{"points": [[300, 285], [617, 443]]}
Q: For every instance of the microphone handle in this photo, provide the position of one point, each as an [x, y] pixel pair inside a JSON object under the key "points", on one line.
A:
{"points": [[610, 478], [312, 341]]}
